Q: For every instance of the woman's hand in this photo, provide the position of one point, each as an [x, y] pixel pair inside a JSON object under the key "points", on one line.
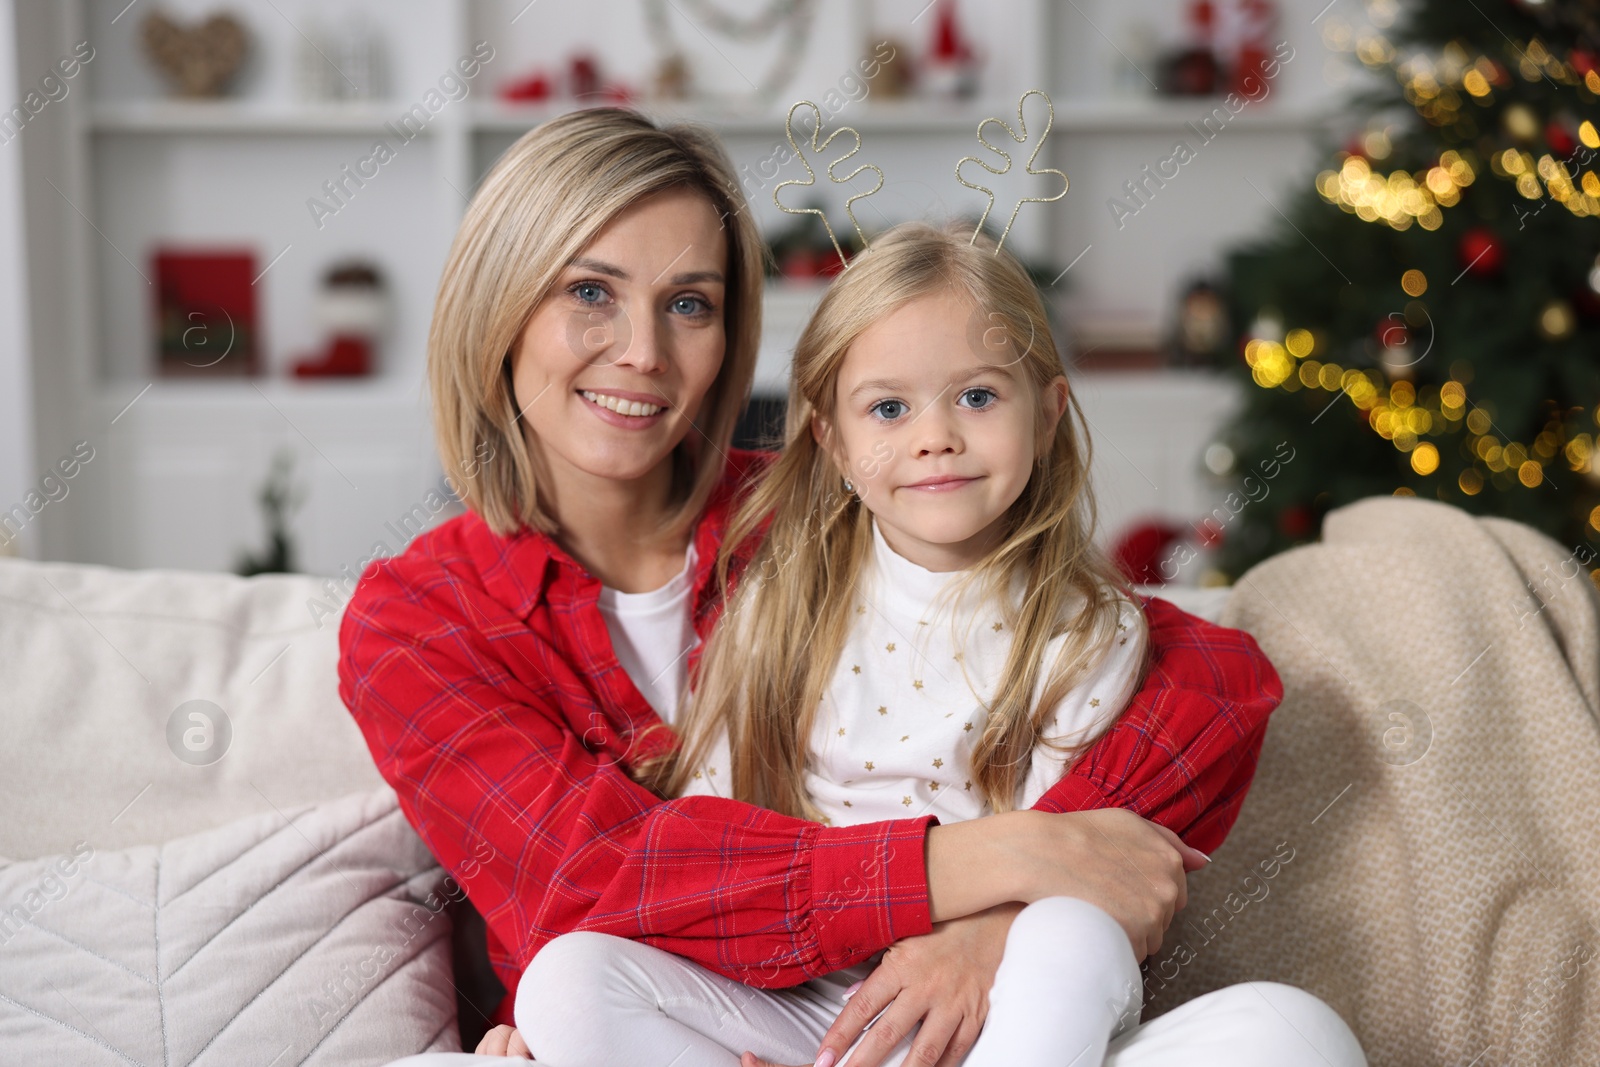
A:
{"points": [[1129, 866], [940, 979], [503, 1041]]}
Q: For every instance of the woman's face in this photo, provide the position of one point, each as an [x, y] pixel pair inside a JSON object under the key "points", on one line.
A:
{"points": [[614, 363]]}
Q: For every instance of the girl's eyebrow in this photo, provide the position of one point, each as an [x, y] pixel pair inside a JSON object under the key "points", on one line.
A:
{"points": [[894, 385], [602, 267]]}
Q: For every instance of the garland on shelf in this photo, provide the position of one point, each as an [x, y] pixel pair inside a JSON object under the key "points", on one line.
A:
{"points": [[793, 17]]}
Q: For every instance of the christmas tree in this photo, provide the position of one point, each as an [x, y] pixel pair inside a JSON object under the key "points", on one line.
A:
{"points": [[1428, 321]]}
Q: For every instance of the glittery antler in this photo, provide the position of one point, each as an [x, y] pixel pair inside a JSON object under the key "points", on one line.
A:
{"points": [[818, 147], [1021, 139]]}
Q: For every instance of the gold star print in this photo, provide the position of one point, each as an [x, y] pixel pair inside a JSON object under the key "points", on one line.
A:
{"points": [[848, 804], [957, 657], [882, 710], [1123, 641], [933, 786], [1120, 626], [998, 627], [938, 761], [841, 731], [869, 765], [855, 668], [906, 801], [916, 683], [861, 609], [889, 646], [712, 771], [922, 622], [969, 784], [967, 727], [905, 737], [1094, 702], [697, 774]]}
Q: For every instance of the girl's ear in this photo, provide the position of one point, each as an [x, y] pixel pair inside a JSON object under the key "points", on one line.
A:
{"points": [[822, 433], [1055, 402]]}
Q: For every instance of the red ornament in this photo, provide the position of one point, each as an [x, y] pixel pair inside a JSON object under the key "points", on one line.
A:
{"points": [[535, 88], [1583, 61], [1144, 552], [1560, 139], [1481, 252], [1391, 332], [1295, 521]]}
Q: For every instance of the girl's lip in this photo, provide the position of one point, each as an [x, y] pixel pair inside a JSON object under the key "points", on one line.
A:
{"points": [[937, 485], [627, 422]]}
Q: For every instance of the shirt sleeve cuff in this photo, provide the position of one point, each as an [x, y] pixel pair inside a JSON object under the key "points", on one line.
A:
{"points": [[869, 888]]}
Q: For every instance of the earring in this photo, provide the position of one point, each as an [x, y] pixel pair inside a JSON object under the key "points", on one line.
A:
{"points": [[848, 487]]}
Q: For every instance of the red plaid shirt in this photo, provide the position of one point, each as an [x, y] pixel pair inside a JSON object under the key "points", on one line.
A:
{"points": [[482, 675]]}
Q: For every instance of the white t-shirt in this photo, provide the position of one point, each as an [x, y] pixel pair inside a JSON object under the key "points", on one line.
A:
{"points": [[893, 737], [653, 634]]}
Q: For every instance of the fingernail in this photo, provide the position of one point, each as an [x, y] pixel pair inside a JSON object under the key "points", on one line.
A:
{"points": [[826, 1059], [851, 990], [1207, 858]]}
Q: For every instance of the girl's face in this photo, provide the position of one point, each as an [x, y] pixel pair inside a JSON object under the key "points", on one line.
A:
{"points": [[613, 365], [937, 436]]}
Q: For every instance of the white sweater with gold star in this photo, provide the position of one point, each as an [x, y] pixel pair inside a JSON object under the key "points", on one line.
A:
{"points": [[893, 736]]}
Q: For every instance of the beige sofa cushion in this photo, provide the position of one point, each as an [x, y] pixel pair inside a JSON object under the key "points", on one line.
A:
{"points": [[310, 936], [96, 661]]}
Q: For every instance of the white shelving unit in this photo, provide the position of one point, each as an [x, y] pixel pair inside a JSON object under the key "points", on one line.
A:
{"points": [[126, 168]]}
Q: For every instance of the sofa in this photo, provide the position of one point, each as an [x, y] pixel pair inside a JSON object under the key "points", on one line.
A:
{"points": [[202, 865]]}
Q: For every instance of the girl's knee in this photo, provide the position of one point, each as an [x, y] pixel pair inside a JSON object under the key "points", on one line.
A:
{"points": [[1293, 1025], [561, 985], [1069, 922]]}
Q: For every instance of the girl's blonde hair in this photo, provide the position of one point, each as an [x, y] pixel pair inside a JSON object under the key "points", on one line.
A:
{"points": [[767, 665], [540, 205]]}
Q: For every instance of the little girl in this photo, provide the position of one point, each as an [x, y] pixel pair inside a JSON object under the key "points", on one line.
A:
{"points": [[925, 627]]}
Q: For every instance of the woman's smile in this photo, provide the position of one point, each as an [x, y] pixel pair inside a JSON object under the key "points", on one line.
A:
{"points": [[632, 410]]}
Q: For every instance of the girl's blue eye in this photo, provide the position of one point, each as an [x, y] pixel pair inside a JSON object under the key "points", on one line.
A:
{"points": [[888, 409], [980, 398]]}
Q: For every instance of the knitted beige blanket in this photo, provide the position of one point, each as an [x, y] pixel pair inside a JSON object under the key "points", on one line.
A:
{"points": [[1421, 847]]}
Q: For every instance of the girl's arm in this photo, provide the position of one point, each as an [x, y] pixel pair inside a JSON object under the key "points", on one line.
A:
{"points": [[463, 711]]}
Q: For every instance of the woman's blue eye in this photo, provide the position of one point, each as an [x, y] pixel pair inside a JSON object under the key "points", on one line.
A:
{"points": [[888, 409], [981, 398], [588, 292], [695, 305]]}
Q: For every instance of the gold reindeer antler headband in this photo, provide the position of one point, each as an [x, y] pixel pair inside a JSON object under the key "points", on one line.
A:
{"points": [[1021, 139], [818, 147]]}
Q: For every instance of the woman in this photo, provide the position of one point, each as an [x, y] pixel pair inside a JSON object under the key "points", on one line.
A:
{"points": [[593, 341]]}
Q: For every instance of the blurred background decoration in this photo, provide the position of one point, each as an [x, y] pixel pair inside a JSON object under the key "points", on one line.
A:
{"points": [[222, 225], [1428, 320]]}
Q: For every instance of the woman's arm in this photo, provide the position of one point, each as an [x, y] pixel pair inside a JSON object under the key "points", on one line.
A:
{"points": [[1184, 753], [469, 722]]}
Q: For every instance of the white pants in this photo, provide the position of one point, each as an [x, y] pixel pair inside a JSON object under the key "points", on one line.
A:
{"points": [[1067, 992]]}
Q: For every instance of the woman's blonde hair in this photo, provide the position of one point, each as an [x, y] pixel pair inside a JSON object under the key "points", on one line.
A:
{"points": [[540, 205], [767, 665]]}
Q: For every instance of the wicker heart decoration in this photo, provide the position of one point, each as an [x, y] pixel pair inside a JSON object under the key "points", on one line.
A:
{"points": [[199, 60]]}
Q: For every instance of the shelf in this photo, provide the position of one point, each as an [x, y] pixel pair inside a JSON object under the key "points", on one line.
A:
{"points": [[231, 116], [1076, 116], [113, 399]]}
